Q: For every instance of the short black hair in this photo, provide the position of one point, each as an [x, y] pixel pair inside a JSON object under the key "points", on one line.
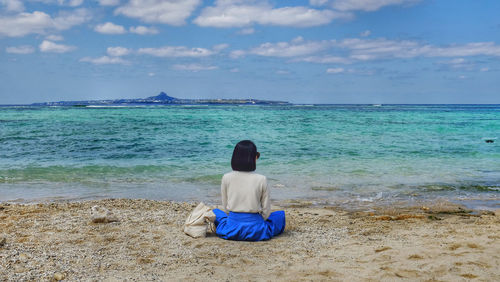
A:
{"points": [[244, 155]]}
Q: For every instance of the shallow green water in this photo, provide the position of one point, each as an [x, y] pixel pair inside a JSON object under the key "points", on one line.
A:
{"points": [[343, 154]]}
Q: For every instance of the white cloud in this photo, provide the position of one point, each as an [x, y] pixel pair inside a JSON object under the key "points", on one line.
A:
{"points": [[72, 3], [234, 70], [193, 67], [327, 59], [353, 50], [66, 20], [40, 22], [318, 2], [108, 2], [459, 64], [335, 70], [469, 49], [369, 49], [372, 49], [365, 33], [237, 53], [297, 47], [282, 72], [104, 60], [118, 51], [176, 51], [54, 37], [13, 5], [456, 61], [484, 69], [173, 12], [243, 13], [151, 74], [110, 28], [367, 5], [143, 30], [363, 57], [246, 31], [220, 47], [25, 49], [51, 47], [298, 39]]}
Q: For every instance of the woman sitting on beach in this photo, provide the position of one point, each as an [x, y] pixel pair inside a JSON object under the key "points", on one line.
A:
{"points": [[246, 197]]}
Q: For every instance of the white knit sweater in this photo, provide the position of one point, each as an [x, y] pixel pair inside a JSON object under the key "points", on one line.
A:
{"points": [[245, 192]]}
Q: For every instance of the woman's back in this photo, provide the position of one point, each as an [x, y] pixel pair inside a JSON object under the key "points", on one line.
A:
{"points": [[245, 192]]}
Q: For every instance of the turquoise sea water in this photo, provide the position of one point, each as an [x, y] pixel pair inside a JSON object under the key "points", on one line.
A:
{"points": [[339, 154]]}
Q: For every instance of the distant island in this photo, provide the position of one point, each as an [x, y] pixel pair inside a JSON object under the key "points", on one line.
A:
{"points": [[162, 99]]}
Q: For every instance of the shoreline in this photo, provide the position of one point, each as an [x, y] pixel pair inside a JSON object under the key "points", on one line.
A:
{"points": [[58, 240], [473, 203]]}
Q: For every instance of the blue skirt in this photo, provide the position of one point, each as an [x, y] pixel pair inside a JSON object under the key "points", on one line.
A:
{"points": [[243, 226]]}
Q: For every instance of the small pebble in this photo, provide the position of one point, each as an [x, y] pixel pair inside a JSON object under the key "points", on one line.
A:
{"points": [[3, 241], [23, 257], [58, 276], [19, 269]]}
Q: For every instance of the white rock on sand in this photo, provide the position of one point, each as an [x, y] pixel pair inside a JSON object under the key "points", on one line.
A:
{"points": [[102, 215]]}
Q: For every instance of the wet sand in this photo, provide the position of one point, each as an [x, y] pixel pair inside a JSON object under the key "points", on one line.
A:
{"points": [[59, 241]]}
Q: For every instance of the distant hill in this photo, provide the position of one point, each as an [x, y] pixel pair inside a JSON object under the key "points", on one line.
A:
{"points": [[163, 98]]}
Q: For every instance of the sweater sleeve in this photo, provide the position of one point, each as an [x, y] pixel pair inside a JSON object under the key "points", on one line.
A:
{"points": [[223, 192], [265, 200]]}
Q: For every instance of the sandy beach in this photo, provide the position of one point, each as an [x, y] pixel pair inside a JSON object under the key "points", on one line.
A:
{"points": [[59, 241]]}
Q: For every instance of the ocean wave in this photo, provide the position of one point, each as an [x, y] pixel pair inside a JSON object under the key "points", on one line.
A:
{"points": [[493, 186]]}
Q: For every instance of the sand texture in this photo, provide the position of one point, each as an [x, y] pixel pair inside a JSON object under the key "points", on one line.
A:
{"points": [[60, 241]]}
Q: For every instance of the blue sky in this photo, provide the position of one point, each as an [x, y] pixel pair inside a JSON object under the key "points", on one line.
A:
{"points": [[317, 51]]}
